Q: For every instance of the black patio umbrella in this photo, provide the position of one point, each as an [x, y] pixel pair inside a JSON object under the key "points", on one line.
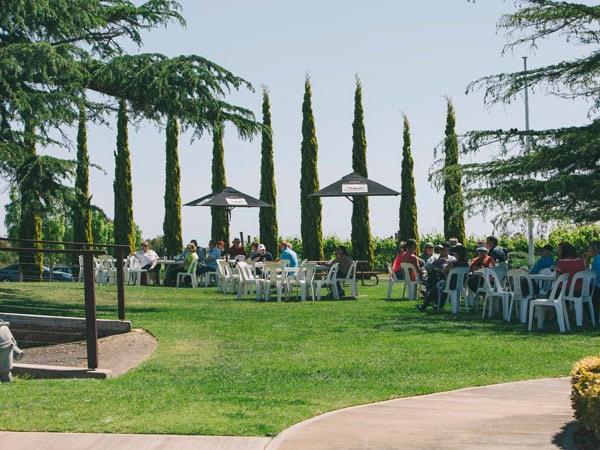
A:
{"points": [[354, 185], [229, 198]]}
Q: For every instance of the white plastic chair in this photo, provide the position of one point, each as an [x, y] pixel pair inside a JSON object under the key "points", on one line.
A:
{"points": [[247, 282], [329, 280], [135, 270], [191, 272], [407, 268], [555, 300], [588, 280], [274, 275], [494, 291], [515, 278], [304, 281], [393, 280], [350, 279], [458, 278], [227, 279]]}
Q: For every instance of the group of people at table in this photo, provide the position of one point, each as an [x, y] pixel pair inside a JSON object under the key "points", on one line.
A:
{"points": [[435, 262], [206, 259]]}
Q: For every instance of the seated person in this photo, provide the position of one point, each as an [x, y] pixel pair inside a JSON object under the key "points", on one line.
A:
{"points": [[288, 254], [482, 260], [214, 254], [593, 256], [236, 249], [441, 259], [545, 262], [436, 281], [569, 262], [262, 255], [398, 261], [344, 262], [427, 251], [253, 251], [495, 252], [189, 258], [149, 261], [410, 256]]}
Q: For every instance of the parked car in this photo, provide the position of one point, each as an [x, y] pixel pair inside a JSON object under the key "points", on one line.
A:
{"points": [[11, 273]]}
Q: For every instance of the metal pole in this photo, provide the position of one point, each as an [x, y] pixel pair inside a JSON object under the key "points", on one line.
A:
{"points": [[90, 310], [528, 145]]}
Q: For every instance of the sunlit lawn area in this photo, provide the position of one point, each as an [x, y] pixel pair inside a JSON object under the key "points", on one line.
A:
{"points": [[230, 367]]}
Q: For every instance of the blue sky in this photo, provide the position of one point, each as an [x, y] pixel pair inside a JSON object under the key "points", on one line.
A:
{"points": [[408, 56]]}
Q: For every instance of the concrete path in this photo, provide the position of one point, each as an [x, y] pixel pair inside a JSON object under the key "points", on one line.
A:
{"points": [[525, 415]]}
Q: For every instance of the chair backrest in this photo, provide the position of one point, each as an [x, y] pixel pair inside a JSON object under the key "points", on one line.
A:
{"points": [[134, 263], [494, 287], [193, 266], [456, 278], [273, 270], [391, 272], [351, 275], [588, 278], [245, 271], [514, 277], [409, 268], [331, 275], [500, 274], [222, 267], [559, 287], [240, 257]]}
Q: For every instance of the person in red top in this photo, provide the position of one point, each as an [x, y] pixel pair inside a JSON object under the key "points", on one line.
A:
{"points": [[410, 256], [569, 262], [396, 266], [482, 260]]}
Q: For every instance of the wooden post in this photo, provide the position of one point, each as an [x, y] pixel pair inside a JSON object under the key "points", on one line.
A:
{"points": [[90, 310]]}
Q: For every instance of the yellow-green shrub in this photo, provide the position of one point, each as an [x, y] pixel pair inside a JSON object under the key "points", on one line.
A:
{"points": [[585, 393]]}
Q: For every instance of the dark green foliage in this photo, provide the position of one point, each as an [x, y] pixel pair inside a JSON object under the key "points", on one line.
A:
{"points": [[362, 246], [81, 212], [310, 207], [53, 53], [124, 234], [172, 222], [557, 176], [408, 199], [268, 192], [220, 215], [30, 226], [454, 220]]}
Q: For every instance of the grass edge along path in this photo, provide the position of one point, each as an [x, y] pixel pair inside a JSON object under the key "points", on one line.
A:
{"points": [[247, 368]]}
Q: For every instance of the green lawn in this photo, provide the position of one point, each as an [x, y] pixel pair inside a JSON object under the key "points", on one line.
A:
{"points": [[230, 367]]}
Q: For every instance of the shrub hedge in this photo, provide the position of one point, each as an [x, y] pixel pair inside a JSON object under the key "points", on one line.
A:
{"points": [[585, 394]]}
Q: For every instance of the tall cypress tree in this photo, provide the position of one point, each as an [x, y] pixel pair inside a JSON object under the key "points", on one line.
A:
{"points": [[454, 220], [81, 211], [362, 245], [30, 224], [173, 240], [310, 207], [123, 224], [268, 192], [408, 198], [220, 215]]}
